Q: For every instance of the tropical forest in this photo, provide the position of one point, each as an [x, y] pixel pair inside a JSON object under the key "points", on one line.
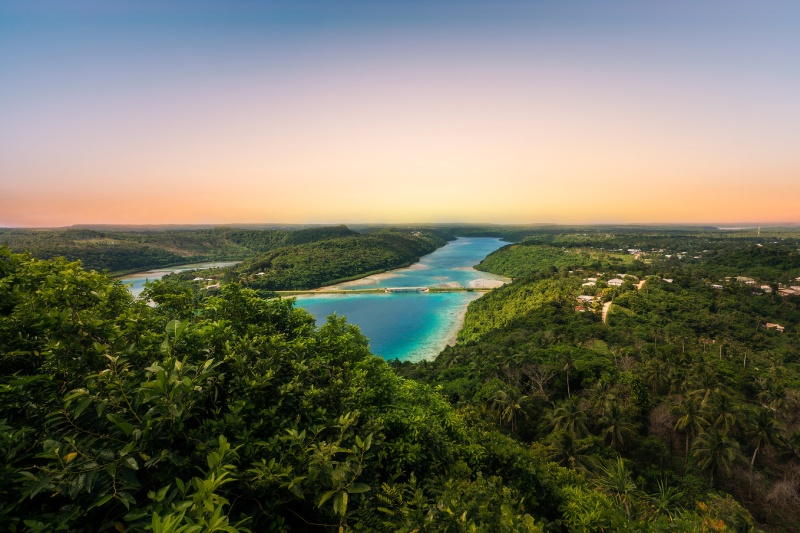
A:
{"points": [[625, 378]]}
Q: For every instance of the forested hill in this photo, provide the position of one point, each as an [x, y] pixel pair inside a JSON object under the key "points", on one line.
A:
{"points": [[229, 412], [131, 250], [772, 256], [692, 383], [524, 260], [335, 260]]}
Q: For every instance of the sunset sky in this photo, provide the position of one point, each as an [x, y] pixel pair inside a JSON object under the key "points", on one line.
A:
{"points": [[152, 112]]}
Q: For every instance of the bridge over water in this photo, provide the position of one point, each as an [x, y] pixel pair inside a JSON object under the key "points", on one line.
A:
{"points": [[385, 290]]}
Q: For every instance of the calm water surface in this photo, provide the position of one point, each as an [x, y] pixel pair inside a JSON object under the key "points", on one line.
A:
{"points": [[413, 326]]}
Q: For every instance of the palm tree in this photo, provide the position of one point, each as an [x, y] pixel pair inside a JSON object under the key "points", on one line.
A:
{"points": [[570, 418], [567, 451], [763, 431], [508, 407], [615, 424], [716, 452], [702, 376], [690, 418], [656, 373], [720, 411], [569, 364], [600, 393], [773, 396]]}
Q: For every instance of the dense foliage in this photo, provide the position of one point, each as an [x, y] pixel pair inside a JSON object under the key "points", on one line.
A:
{"points": [[685, 380], [521, 261], [224, 411], [228, 414], [314, 264], [131, 250]]}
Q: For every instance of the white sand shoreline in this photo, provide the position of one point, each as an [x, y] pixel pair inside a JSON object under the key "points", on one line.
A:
{"points": [[452, 337]]}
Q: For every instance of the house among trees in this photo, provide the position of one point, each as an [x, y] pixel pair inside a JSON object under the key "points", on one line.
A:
{"points": [[770, 325], [616, 282]]}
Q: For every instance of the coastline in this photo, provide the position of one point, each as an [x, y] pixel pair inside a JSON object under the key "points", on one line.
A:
{"points": [[373, 279], [452, 337], [429, 321], [163, 271]]}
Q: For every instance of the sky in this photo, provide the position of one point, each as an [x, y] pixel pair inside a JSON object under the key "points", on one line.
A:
{"points": [[561, 111]]}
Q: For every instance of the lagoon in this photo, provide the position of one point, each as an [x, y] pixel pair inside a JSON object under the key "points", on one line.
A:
{"points": [[417, 325]]}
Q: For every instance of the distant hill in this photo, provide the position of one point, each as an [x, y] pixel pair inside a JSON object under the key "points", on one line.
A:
{"points": [[330, 260], [119, 251]]}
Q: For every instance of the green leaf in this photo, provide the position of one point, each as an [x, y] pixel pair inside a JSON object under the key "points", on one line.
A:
{"points": [[41, 484], [126, 499], [337, 503], [136, 514], [325, 497], [297, 491], [123, 426], [81, 407], [358, 488], [127, 449], [130, 462], [160, 495], [102, 501]]}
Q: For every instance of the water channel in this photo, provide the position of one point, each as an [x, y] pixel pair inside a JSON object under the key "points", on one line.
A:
{"points": [[409, 326], [412, 326]]}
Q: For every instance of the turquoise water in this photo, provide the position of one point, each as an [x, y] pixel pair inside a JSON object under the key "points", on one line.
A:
{"points": [[417, 325], [135, 282], [406, 326], [449, 266]]}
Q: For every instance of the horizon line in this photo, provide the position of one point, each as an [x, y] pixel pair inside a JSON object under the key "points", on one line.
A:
{"points": [[718, 225]]}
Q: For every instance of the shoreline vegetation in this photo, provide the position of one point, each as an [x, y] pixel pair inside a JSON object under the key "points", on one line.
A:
{"points": [[679, 412]]}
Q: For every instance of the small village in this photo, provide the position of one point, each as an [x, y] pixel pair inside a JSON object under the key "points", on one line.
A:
{"points": [[602, 299]]}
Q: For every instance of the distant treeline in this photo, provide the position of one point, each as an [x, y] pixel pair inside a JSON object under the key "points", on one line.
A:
{"points": [[129, 251], [124, 249]]}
